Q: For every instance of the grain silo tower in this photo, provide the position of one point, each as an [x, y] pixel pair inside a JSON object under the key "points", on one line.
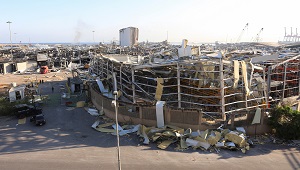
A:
{"points": [[129, 36]]}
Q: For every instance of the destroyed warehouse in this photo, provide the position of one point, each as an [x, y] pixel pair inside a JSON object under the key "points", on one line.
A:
{"points": [[192, 89]]}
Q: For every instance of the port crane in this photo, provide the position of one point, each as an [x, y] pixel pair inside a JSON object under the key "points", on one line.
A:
{"points": [[257, 38], [241, 34]]}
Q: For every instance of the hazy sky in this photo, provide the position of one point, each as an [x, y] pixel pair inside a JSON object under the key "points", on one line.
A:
{"points": [[196, 20]]}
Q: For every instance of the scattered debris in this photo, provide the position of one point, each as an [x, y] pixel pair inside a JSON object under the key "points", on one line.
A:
{"points": [[208, 139], [167, 135], [271, 138], [80, 104], [126, 129], [122, 130], [102, 127], [70, 108], [93, 112], [295, 143], [21, 121]]}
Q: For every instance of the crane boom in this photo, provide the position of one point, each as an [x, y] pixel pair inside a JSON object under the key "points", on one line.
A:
{"points": [[241, 34], [257, 38]]}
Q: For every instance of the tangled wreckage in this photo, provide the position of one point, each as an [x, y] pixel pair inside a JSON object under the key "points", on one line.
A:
{"points": [[197, 88], [192, 89]]}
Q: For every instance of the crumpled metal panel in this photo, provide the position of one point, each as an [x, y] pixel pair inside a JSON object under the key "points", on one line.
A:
{"points": [[236, 138], [164, 144]]}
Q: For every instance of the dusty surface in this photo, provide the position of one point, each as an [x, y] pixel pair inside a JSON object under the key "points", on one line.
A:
{"points": [[28, 78], [67, 141]]}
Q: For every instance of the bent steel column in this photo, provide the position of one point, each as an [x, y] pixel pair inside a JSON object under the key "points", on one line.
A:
{"points": [[178, 86], [121, 85], [132, 85], [269, 82], [284, 82], [265, 88], [222, 90]]}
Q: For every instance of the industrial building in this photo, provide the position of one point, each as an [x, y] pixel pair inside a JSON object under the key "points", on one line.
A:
{"points": [[196, 87], [129, 36], [198, 91]]}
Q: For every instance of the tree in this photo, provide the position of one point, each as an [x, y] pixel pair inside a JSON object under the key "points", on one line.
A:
{"points": [[286, 122]]}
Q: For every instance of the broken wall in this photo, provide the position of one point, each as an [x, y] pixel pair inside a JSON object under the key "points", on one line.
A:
{"points": [[7, 68], [21, 66], [203, 89], [181, 118], [283, 81]]}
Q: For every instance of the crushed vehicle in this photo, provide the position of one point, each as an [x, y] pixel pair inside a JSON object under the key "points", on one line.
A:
{"points": [[38, 120], [24, 110]]}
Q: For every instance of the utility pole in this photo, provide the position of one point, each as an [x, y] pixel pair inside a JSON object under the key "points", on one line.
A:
{"points": [[10, 39]]}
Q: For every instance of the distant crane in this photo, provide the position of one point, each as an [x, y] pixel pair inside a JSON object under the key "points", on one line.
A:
{"points": [[257, 38], [296, 35], [291, 37], [241, 34], [286, 37]]}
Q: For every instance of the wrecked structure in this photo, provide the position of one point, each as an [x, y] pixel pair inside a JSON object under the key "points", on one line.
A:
{"points": [[198, 91], [196, 87]]}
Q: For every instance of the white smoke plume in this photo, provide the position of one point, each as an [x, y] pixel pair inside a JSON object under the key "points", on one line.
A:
{"points": [[78, 30]]}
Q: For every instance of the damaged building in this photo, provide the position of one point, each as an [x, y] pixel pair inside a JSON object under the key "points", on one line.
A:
{"points": [[197, 91], [198, 87]]}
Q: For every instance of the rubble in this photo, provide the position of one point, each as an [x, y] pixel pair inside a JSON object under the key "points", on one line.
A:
{"points": [[294, 143], [21, 121], [93, 112], [218, 82], [122, 130], [80, 104], [70, 108], [126, 129], [184, 139], [271, 138]]}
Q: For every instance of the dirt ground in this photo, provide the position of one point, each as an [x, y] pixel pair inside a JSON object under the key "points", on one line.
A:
{"points": [[19, 79], [9, 80]]}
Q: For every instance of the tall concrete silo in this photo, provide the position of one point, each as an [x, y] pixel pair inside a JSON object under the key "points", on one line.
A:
{"points": [[129, 36]]}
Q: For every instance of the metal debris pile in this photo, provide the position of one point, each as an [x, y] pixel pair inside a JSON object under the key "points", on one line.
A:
{"points": [[210, 140], [111, 128], [205, 140]]}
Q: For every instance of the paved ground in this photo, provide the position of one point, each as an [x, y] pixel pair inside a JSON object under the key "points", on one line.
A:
{"points": [[67, 141]]}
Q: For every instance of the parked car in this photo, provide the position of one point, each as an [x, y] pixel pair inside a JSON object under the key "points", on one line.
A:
{"points": [[38, 120], [24, 110]]}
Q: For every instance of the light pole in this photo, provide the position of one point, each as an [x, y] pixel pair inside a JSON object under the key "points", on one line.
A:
{"points": [[115, 102], [94, 36], [10, 38]]}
